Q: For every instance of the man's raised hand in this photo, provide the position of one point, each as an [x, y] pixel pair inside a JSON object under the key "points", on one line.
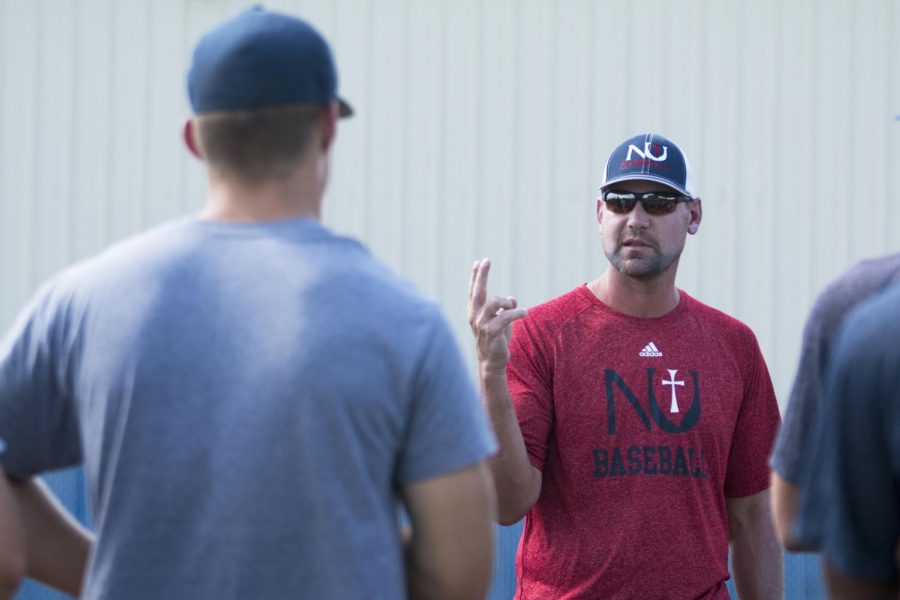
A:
{"points": [[491, 320]]}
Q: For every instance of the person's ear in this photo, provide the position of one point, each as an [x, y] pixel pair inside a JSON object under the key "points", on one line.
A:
{"points": [[696, 208], [328, 126], [599, 211], [190, 138]]}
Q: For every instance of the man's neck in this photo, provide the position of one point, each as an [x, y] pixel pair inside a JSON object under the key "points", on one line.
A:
{"points": [[230, 200], [642, 298]]}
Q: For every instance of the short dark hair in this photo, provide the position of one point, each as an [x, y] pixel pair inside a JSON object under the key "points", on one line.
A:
{"points": [[259, 144]]}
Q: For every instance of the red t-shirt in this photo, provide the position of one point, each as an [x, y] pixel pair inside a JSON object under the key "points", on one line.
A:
{"points": [[641, 428]]}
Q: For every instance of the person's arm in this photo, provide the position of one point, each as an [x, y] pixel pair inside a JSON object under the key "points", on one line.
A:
{"points": [[785, 499], [57, 546], [756, 558], [517, 481], [449, 554], [792, 458], [12, 542], [846, 588]]}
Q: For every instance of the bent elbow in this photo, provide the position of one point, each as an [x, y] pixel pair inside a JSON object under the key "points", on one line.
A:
{"points": [[516, 497], [510, 513], [509, 518]]}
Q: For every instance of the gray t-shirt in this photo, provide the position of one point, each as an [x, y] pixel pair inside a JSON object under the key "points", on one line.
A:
{"points": [[245, 399], [791, 456], [851, 504]]}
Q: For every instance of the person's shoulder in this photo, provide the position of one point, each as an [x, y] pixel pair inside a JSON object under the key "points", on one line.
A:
{"points": [[876, 320], [734, 335], [379, 287], [880, 269], [69, 291], [854, 285], [714, 317], [544, 321], [866, 356], [121, 256], [558, 310], [370, 270], [157, 240]]}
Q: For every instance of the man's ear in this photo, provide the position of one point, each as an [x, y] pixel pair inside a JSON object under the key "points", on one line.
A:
{"points": [[696, 208], [599, 211], [328, 126], [189, 133]]}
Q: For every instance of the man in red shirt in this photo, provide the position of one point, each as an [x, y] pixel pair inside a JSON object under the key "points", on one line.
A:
{"points": [[634, 421]]}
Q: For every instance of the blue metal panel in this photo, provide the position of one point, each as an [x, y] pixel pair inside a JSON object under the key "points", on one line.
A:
{"points": [[503, 585]]}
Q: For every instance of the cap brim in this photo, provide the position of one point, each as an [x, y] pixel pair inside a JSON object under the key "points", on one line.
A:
{"points": [[344, 109], [646, 177]]}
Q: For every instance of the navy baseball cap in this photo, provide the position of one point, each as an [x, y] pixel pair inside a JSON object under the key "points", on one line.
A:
{"points": [[650, 157], [262, 59]]}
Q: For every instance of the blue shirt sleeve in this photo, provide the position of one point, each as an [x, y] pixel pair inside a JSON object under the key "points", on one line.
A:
{"points": [[447, 427], [37, 419]]}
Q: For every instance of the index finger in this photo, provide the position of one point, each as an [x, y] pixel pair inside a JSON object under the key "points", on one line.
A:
{"points": [[472, 277], [479, 289]]}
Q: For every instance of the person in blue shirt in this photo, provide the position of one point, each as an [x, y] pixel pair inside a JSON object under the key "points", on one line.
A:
{"points": [[255, 398]]}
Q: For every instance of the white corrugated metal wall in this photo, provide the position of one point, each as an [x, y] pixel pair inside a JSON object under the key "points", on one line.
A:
{"points": [[482, 128]]}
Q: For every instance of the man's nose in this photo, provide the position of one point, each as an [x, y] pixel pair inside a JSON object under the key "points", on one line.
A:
{"points": [[638, 218]]}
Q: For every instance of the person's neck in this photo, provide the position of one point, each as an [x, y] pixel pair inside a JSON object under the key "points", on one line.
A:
{"points": [[289, 198], [642, 298]]}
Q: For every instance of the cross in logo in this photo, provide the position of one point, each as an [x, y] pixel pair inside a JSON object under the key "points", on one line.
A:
{"points": [[674, 407]]}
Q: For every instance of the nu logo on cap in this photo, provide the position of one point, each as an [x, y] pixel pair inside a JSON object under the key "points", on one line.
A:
{"points": [[647, 153]]}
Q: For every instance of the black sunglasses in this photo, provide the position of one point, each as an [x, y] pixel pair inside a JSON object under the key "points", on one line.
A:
{"points": [[653, 203]]}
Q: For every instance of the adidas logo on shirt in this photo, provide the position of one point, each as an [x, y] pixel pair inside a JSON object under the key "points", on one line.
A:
{"points": [[650, 350]]}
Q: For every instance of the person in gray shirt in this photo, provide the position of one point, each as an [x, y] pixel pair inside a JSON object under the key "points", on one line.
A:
{"points": [[851, 502], [254, 398], [792, 455]]}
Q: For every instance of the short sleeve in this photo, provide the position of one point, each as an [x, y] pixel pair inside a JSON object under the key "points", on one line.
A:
{"points": [[754, 432], [447, 428], [530, 385], [37, 418], [790, 457], [850, 508]]}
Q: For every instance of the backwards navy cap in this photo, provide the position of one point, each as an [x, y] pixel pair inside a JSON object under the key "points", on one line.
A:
{"points": [[262, 59], [650, 157]]}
